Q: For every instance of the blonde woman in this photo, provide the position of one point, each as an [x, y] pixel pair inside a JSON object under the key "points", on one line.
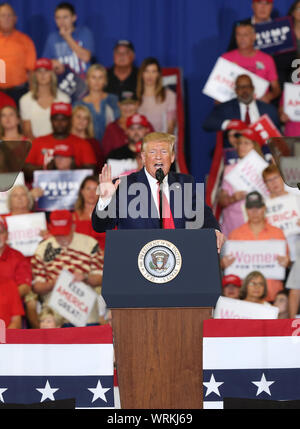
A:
{"points": [[103, 106], [157, 103], [35, 105], [82, 126]]}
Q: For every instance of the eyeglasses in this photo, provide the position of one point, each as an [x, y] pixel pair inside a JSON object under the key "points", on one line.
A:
{"points": [[272, 179], [252, 283]]}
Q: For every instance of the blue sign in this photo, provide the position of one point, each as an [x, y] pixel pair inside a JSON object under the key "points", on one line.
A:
{"points": [[60, 188], [70, 83], [276, 36]]}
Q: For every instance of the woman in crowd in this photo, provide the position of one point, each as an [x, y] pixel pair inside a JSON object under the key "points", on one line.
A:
{"points": [[103, 106], [84, 206], [232, 200], [63, 158], [282, 302], [82, 126], [35, 105], [157, 103], [254, 288], [10, 124]]}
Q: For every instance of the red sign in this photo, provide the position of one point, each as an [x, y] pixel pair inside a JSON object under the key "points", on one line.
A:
{"points": [[265, 128]]}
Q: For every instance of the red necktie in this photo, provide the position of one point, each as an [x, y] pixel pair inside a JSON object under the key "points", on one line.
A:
{"points": [[247, 117], [168, 221]]}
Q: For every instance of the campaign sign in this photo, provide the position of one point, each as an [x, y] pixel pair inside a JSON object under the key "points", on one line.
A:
{"points": [[228, 308], [265, 128], [276, 36], [247, 174], [20, 180], [72, 300], [284, 212], [221, 81], [256, 255], [24, 231], [291, 101], [72, 84], [60, 188]]}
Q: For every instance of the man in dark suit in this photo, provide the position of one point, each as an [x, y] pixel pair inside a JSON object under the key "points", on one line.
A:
{"points": [[244, 107], [135, 203]]}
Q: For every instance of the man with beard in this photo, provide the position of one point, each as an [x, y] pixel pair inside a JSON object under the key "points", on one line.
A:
{"points": [[244, 108], [127, 158]]}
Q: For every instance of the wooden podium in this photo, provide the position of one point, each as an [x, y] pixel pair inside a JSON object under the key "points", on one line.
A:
{"points": [[158, 328]]}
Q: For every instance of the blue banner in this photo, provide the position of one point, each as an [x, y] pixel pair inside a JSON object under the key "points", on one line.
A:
{"points": [[276, 36], [72, 84], [60, 188]]}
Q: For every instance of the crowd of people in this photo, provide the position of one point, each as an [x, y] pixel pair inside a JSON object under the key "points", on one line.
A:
{"points": [[246, 212], [81, 115]]}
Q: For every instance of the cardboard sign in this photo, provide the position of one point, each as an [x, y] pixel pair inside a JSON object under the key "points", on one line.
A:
{"points": [[256, 255], [72, 300], [20, 180], [221, 81], [247, 174], [290, 168], [266, 128], [284, 212], [228, 308], [24, 232], [291, 101], [276, 36], [60, 188]]}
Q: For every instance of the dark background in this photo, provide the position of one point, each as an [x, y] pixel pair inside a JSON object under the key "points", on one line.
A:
{"points": [[190, 34]]}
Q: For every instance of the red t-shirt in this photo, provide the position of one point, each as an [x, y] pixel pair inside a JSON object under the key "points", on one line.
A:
{"points": [[42, 149], [113, 138], [6, 100], [10, 301], [15, 266]]}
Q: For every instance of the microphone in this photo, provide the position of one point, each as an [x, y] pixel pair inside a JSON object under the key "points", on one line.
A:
{"points": [[160, 175]]}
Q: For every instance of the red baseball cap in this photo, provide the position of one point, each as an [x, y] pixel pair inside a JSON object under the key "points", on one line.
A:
{"points": [[63, 149], [236, 124], [137, 119], [61, 109], [231, 279], [43, 63], [61, 222], [251, 135]]}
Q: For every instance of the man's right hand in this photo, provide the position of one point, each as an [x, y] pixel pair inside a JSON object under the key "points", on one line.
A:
{"points": [[106, 188]]}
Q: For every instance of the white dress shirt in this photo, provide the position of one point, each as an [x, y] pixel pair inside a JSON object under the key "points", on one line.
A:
{"points": [[253, 113]]}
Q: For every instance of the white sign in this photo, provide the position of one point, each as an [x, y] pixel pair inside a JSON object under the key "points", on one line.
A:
{"points": [[247, 174], [256, 255], [290, 168], [20, 180], [291, 101], [221, 82], [228, 308], [24, 231], [72, 300], [284, 212]]}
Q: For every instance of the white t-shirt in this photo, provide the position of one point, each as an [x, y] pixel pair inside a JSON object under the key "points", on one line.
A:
{"points": [[30, 110]]}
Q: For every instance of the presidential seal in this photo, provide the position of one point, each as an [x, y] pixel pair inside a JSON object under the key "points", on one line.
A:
{"points": [[159, 261]]}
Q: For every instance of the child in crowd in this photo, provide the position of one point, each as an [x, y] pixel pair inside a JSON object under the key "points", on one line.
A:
{"points": [[48, 318]]}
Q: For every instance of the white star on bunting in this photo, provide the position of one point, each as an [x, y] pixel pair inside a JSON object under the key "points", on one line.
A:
{"points": [[47, 392], [2, 390], [99, 392], [263, 385], [212, 386]]}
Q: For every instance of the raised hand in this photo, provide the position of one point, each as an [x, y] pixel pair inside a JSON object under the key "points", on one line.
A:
{"points": [[106, 188]]}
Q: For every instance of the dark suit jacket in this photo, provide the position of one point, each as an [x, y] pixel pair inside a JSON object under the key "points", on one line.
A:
{"points": [[231, 110], [148, 221]]}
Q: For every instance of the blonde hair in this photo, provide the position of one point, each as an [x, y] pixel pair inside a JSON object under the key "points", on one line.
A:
{"points": [[90, 126], [28, 194], [96, 67], [47, 311], [158, 138], [34, 86]]}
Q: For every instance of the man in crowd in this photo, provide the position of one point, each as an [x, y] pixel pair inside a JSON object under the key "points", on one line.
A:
{"points": [[257, 228], [127, 158], [115, 133], [66, 249], [244, 107], [42, 149], [69, 46], [255, 61], [18, 53], [157, 156], [15, 281], [122, 76], [231, 286]]}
